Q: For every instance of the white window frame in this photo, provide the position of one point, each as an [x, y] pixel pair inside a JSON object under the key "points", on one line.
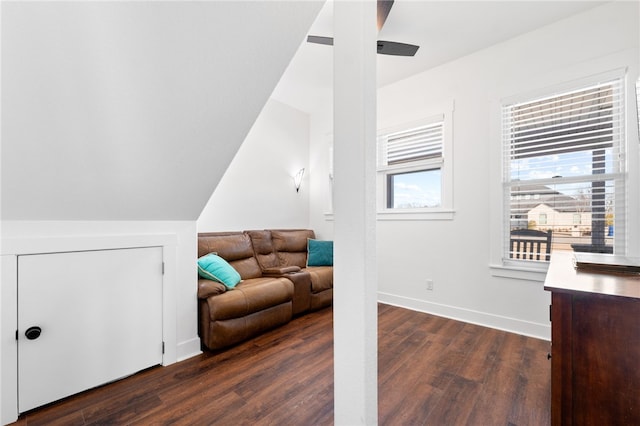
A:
{"points": [[638, 103], [445, 164], [535, 270]]}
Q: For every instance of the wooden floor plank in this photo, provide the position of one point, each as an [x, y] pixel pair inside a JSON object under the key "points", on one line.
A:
{"points": [[432, 371]]}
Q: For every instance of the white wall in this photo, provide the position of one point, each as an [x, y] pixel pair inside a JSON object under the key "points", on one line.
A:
{"points": [[257, 190], [133, 110], [457, 253], [320, 148]]}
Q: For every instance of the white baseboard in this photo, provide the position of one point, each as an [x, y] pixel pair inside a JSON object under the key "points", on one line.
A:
{"points": [[513, 325], [188, 349]]}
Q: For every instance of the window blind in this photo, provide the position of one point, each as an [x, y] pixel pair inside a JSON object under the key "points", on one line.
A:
{"points": [[577, 121], [420, 143], [563, 166]]}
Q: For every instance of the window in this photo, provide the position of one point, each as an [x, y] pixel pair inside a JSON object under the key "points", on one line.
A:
{"points": [[413, 159], [577, 218], [542, 219], [564, 161], [413, 168]]}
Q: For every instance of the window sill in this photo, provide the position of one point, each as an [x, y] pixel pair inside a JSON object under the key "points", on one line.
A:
{"points": [[416, 215], [519, 272]]}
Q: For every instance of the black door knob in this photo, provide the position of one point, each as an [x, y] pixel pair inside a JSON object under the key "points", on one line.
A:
{"points": [[33, 333]]}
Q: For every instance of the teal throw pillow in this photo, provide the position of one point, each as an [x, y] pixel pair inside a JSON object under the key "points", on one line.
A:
{"points": [[320, 253], [215, 268]]}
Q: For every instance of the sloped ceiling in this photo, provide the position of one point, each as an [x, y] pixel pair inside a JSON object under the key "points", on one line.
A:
{"points": [[133, 110]]}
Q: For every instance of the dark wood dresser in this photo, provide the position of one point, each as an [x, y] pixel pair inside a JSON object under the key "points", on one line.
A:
{"points": [[595, 345]]}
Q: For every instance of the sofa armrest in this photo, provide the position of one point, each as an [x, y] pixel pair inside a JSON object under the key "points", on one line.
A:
{"points": [[280, 270], [208, 288]]}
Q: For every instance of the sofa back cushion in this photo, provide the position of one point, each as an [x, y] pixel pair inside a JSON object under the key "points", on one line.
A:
{"points": [[291, 246], [235, 248], [263, 249]]}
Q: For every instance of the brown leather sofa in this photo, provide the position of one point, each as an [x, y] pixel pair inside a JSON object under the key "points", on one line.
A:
{"points": [[276, 284]]}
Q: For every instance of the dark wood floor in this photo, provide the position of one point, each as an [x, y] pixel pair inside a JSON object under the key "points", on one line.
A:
{"points": [[432, 371]]}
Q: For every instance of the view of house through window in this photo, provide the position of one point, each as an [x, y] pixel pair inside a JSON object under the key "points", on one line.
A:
{"points": [[564, 172]]}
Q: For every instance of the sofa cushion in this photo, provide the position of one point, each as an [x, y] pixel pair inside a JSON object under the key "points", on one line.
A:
{"points": [[215, 268], [250, 296], [235, 248], [321, 278], [263, 249], [320, 253], [209, 242], [291, 246]]}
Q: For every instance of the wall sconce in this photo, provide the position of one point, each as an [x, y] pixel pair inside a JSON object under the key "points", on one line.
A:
{"points": [[297, 179]]}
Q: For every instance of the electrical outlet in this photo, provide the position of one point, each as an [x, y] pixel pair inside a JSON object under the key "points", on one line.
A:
{"points": [[429, 285]]}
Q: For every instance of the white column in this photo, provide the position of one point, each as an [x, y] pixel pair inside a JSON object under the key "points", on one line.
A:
{"points": [[355, 284]]}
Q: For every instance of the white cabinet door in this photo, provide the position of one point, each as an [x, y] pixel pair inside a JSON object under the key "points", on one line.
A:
{"points": [[100, 316]]}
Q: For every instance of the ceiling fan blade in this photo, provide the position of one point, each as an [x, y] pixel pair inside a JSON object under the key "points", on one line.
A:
{"points": [[384, 47], [320, 40], [397, 49], [384, 7]]}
